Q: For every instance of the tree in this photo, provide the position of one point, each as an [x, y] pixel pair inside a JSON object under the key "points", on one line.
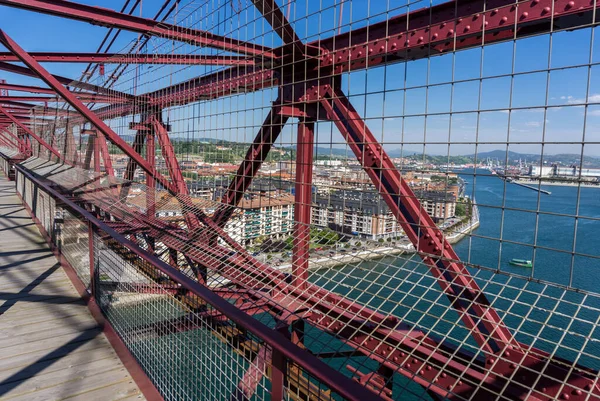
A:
{"points": [[460, 210]]}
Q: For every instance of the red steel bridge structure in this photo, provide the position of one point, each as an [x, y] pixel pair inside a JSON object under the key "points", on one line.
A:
{"points": [[286, 335]]}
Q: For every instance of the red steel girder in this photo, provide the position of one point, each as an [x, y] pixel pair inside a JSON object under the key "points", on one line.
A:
{"points": [[170, 157], [430, 31], [86, 97], [120, 58], [86, 113], [16, 69], [465, 296], [146, 26], [40, 140], [274, 16], [256, 155], [303, 202]]}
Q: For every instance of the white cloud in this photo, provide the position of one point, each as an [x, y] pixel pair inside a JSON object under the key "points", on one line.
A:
{"points": [[594, 113], [595, 98], [533, 124]]}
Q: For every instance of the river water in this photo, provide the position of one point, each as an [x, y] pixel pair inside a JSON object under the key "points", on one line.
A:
{"points": [[515, 222], [555, 235]]}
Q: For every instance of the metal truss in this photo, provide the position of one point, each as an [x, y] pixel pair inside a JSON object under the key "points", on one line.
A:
{"points": [[307, 76]]}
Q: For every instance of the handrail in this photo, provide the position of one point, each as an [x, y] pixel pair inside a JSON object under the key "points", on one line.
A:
{"points": [[336, 381]]}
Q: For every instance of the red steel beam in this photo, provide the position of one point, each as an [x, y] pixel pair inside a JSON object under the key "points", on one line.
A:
{"points": [[86, 97], [54, 83], [256, 155], [120, 58], [303, 201], [430, 31], [465, 296], [16, 69], [110, 18], [40, 140], [26, 88], [170, 157], [272, 13]]}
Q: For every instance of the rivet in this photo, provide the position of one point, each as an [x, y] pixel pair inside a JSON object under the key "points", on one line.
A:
{"points": [[504, 19], [420, 39], [535, 1], [460, 383], [494, 12], [513, 366], [394, 45], [525, 14], [546, 10], [577, 392], [450, 32], [428, 367], [564, 396], [467, 28], [408, 365], [588, 386], [491, 360], [434, 36], [414, 360], [422, 372], [444, 375], [506, 353]]}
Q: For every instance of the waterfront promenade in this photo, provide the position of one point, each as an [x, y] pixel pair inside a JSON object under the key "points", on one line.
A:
{"points": [[51, 348]]}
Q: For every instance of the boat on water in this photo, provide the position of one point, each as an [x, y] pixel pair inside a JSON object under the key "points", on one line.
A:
{"points": [[521, 262]]}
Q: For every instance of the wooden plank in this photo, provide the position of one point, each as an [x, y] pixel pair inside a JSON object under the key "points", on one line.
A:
{"points": [[51, 348]]}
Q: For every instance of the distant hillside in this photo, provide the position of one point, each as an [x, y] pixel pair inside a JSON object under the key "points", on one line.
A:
{"points": [[323, 152]]}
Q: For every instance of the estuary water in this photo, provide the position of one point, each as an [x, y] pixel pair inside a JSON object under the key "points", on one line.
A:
{"points": [[559, 232], [564, 249]]}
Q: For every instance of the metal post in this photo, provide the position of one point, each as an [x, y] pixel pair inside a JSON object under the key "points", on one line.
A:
{"points": [[92, 259], [96, 146], [303, 202], [150, 182]]}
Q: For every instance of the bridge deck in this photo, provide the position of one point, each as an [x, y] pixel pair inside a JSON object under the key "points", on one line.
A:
{"points": [[51, 348]]}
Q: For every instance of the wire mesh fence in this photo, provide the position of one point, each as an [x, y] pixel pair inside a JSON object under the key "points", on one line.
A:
{"points": [[415, 193]]}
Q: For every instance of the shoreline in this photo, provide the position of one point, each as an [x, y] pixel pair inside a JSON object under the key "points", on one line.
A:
{"points": [[378, 253], [556, 184], [374, 254]]}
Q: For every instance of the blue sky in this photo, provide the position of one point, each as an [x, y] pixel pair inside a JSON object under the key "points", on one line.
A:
{"points": [[408, 103]]}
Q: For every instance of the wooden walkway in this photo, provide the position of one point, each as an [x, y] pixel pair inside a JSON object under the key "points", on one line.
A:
{"points": [[50, 345]]}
